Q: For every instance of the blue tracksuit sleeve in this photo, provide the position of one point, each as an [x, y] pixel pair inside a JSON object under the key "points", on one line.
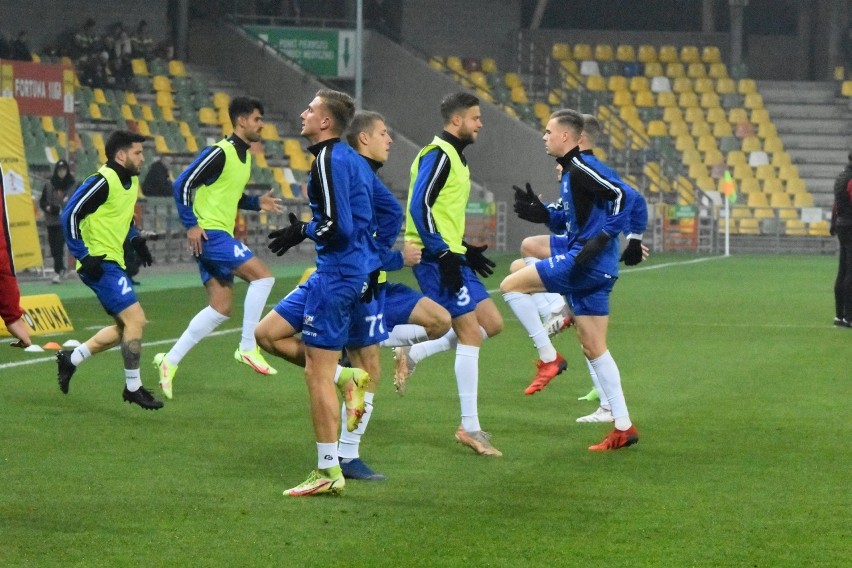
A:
{"points": [[249, 202], [335, 213], [638, 216], [389, 219], [432, 173], [91, 194], [558, 217], [204, 170], [587, 178]]}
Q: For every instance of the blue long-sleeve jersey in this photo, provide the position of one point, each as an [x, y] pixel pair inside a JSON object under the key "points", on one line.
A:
{"points": [[341, 186], [389, 219]]}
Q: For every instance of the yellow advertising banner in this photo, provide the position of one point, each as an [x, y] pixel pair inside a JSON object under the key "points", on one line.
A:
{"points": [[44, 313], [26, 249]]}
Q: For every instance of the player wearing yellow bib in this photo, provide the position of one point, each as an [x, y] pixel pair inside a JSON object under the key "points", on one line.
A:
{"points": [[437, 199], [97, 221], [208, 194]]}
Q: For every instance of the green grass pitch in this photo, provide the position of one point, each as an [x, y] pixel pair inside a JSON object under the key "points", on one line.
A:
{"points": [[736, 379]]}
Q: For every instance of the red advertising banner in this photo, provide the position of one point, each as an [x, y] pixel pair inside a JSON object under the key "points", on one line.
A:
{"points": [[40, 89]]}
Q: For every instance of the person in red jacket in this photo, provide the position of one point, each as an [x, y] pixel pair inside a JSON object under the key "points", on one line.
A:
{"points": [[10, 294]]}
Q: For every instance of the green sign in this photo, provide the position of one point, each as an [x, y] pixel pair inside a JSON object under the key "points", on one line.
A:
{"points": [[323, 52], [682, 212], [480, 208]]}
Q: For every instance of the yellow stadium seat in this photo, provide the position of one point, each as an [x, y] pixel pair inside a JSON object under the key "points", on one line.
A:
{"points": [[221, 99], [736, 157], [666, 100], [818, 229], [143, 128], [165, 100], [757, 199], [679, 129], [749, 185], [130, 98], [617, 83], [722, 129], [716, 114], [647, 54], [787, 213], [645, 99], [690, 54], [191, 144], [751, 144], [629, 113], [682, 85], [162, 83], [717, 71], [479, 80], [47, 124], [436, 64], [595, 83], [725, 86], [671, 113], [773, 185], [766, 129], [184, 128], [737, 115], [571, 67], [699, 127], [703, 85], [803, 199], [686, 100], [760, 116], [625, 53], [653, 69], [161, 146], [711, 54], [488, 65], [139, 67], [753, 101], [674, 70], [846, 89], [764, 172], [764, 213], [512, 80], [652, 170], [697, 171], [639, 83], [746, 86], [560, 51], [99, 96], [710, 100], [223, 118], [454, 63], [582, 51], [684, 142], [781, 159], [518, 95], [787, 172], [176, 68], [603, 52], [95, 111], [713, 158], [696, 71], [208, 116], [147, 112], [742, 171], [795, 228], [127, 113], [168, 116], [741, 213], [773, 144], [691, 156], [668, 54]]}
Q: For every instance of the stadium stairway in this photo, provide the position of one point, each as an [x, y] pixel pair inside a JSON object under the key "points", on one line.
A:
{"points": [[816, 128]]}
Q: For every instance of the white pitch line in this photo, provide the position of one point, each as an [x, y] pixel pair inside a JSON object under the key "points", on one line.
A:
{"points": [[148, 344]]}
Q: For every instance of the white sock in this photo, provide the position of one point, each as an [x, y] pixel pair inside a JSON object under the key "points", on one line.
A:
{"points": [[557, 303], [405, 334], [610, 380], [327, 455], [256, 295], [199, 327], [337, 371], [133, 379], [80, 354], [524, 308], [433, 346], [347, 448], [597, 383], [467, 379]]}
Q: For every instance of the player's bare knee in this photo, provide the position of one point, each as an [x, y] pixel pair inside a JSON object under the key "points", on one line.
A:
{"points": [[516, 265]]}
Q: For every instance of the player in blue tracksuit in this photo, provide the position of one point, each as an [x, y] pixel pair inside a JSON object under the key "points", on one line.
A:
{"points": [[342, 225], [585, 274]]}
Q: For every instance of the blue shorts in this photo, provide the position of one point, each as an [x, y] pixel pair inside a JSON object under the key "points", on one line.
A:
{"points": [[114, 288], [559, 244], [428, 276], [368, 326], [586, 289], [399, 303], [322, 308], [221, 255]]}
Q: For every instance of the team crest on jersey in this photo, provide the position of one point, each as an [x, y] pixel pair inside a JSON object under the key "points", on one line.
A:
{"points": [[309, 319]]}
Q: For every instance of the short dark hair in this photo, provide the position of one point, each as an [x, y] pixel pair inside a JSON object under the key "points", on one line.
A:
{"points": [[243, 106], [363, 121], [569, 118], [455, 102], [591, 128], [121, 140], [339, 105]]}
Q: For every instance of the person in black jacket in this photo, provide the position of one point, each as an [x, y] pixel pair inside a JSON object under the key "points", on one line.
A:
{"points": [[841, 226], [54, 196]]}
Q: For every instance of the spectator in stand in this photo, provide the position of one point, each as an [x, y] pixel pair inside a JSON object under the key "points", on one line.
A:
{"points": [[54, 196], [841, 227], [142, 42], [21, 48], [86, 41], [159, 182]]}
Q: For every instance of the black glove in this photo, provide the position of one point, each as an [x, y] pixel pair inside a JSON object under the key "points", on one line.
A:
{"points": [[92, 266], [480, 263], [632, 254], [372, 291], [529, 207], [141, 248], [284, 239], [451, 276], [592, 247]]}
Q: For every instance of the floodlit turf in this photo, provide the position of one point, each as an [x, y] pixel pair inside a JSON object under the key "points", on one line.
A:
{"points": [[736, 379]]}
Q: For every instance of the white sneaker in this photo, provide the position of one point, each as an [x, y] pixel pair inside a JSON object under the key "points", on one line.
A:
{"points": [[557, 324], [57, 278], [600, 415]]}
